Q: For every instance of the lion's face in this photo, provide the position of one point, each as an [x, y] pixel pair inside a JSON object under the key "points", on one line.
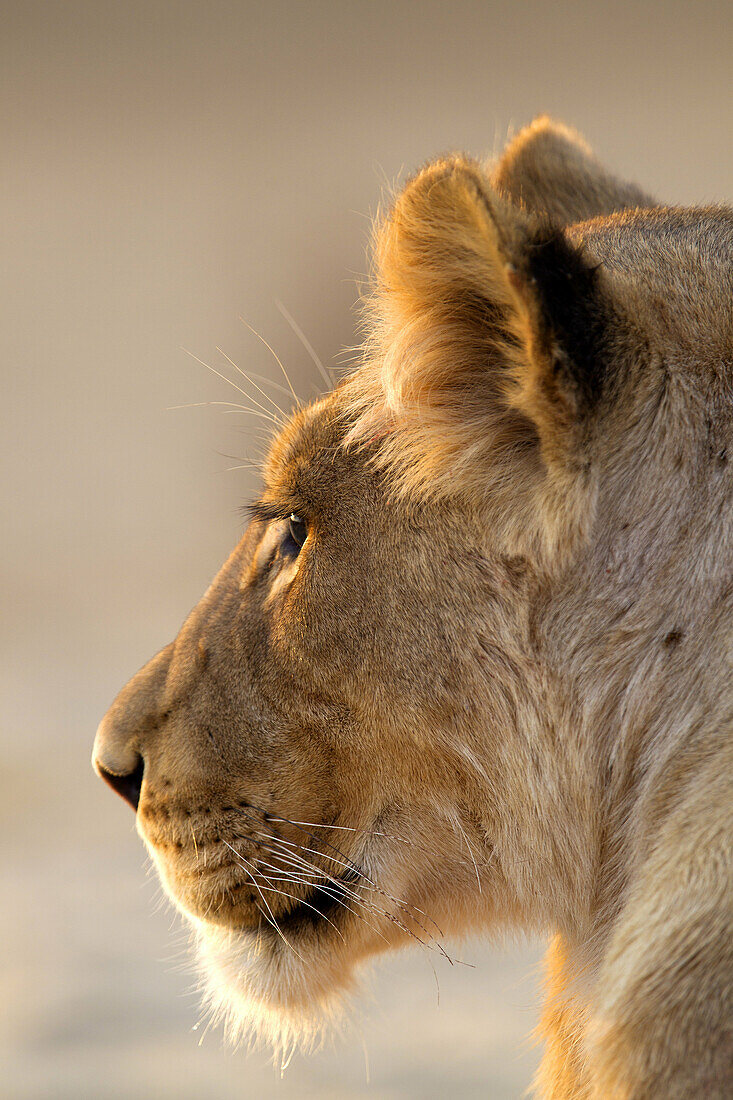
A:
{"points": [[306, 784], [395, 713]]}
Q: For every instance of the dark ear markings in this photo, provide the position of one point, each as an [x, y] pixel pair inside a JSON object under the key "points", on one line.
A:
{"points": [[560, 288], [571, 313], [568, 310]]}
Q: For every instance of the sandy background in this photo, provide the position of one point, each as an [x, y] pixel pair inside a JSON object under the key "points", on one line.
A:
{"points": [[166, 168]]}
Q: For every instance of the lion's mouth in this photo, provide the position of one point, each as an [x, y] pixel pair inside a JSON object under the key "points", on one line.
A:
{"points": [[323, 903]]}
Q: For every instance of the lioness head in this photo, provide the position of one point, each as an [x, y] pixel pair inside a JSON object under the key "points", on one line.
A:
{"points": [[419, 697]]}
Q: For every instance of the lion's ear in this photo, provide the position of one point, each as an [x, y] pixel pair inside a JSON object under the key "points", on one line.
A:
{"points": [[488, 336], [549, 169]]}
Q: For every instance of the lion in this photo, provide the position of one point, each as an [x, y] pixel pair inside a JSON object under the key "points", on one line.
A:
{"points": [[469, 668]]}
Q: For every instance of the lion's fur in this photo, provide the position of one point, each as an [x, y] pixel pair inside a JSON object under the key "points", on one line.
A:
{"points": [[495, 683]]}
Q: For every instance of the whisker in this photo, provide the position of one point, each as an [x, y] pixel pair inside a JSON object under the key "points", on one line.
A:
{"points": [[276, 890], [363, 832], [232, 406], [281, 414], [306, 343], [321, 825], [407, 908], [336, 895], [404, 906], [353, 867], [301, 901], [349, 865], [457, 822], [277, 360], [244, 463], [291, 858], [216, 372], [315, 874], [274, 923], [307, 868], [250, 374], [303, 848]]}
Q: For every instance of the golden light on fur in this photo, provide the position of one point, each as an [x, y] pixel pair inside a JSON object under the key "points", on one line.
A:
{"points": [[470, 667]]}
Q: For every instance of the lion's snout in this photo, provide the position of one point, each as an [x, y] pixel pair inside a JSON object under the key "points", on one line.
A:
{"points": [[119, 755]]}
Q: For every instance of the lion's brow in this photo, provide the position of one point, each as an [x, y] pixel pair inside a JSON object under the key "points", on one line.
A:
{"points": [[265, 511]]}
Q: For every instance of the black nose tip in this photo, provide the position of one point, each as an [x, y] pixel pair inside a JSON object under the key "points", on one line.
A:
{"points": [[128, 786]]}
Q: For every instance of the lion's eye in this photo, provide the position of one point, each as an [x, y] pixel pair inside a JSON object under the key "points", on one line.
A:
{"points": [[297, 529]]}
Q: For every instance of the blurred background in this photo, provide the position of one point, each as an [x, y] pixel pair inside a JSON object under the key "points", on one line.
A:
{"points": [[167, 169]]}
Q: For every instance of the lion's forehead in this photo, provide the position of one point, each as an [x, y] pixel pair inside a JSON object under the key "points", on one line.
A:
{"points": [[311, 431], [628, 240], [674, 266]]}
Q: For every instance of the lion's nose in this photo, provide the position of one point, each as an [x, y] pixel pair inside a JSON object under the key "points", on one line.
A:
{"points": [[128, 786], [124, 734], [116, 761]]}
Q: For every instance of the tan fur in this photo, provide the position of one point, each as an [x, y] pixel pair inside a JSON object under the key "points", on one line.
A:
{"points": [[541, 168], [493, 687]]}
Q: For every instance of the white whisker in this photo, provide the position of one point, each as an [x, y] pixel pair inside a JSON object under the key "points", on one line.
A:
{"points": [[457, 822], [273, 922], [407, 909], [275, 890], [216, 372], [277, 359], [247, 378], [231, 406], [306, 344]]}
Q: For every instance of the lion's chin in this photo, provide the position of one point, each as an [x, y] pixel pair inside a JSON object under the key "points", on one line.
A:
{"points": [[265, 990]]}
